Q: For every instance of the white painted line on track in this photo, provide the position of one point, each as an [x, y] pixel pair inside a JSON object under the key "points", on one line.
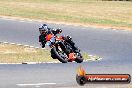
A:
{"points": [[19, 44], [37, 47], [31, 46], [36, 84], [5, 42], [12, 43], [26, 45]]}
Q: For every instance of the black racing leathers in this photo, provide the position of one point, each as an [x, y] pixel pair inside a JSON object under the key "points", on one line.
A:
{"points": [[42, 36], [42, 39]]}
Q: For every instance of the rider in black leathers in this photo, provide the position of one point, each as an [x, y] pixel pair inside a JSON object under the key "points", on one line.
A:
{"points": [[44, 30]]}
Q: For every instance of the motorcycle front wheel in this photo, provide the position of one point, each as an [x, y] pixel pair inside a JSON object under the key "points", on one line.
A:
{"points": [[60, 56], [79, 59]]}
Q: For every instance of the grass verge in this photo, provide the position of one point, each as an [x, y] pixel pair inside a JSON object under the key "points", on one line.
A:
{"points": [[107, 13], [19, 54]]}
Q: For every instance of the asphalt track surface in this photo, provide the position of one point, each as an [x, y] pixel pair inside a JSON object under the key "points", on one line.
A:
{"points": [[114, 46]]}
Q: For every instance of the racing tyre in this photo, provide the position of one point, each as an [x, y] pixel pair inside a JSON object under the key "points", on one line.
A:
{"points": [[53, 55], [58, 56], [79, 59]]}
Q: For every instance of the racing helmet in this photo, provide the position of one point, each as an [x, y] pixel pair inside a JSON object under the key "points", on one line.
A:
{"points": [[43, 28]]}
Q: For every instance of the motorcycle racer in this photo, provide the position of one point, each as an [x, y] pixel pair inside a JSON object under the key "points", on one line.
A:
{"points": [[45, 30], [49, 36]]}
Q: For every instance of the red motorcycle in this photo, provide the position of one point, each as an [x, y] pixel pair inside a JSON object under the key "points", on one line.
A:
{"points": [[62, 50]]}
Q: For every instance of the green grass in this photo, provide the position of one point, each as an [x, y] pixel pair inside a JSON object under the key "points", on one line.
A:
{"points": [[18, 54], [109, 13]]}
